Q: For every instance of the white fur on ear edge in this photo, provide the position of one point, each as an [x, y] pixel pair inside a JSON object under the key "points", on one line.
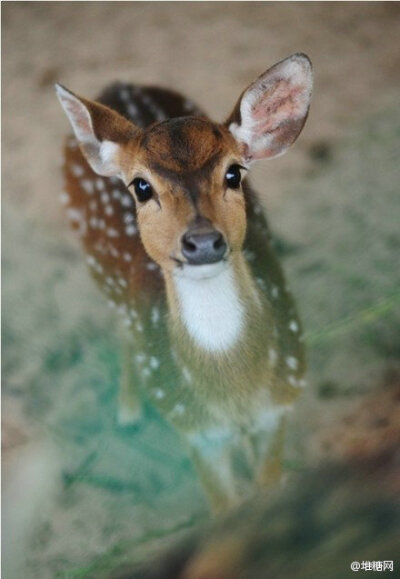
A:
{"points": [[77, 114]]}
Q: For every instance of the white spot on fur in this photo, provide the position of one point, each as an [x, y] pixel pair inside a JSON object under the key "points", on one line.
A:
{"points": [[64, 198], [178, 409], [292, 362], [140, 358], [155, 315], [111, 232], [130, 230], [76, 217], [125, 94], [88, 186], [154, 362], [126, 201], [189, 106], [186, 374], [272, 356], [261, 283], [275, 292], [133, 110], [158, 113], [249, 255], [77, 170], [99, 184], [210, 306], [114, 252]]}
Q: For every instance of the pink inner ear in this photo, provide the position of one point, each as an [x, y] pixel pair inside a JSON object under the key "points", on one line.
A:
{"points": [[80, 117], [273, 109], [282, 103]]}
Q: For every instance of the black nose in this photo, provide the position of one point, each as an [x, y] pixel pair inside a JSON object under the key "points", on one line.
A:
{"points": [[201, 248]]}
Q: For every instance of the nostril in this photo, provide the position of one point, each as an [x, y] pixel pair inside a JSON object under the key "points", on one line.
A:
{"points": [[219, 243], [188, 244]]}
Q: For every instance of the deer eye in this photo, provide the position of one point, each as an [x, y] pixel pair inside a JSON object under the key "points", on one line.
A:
{"points": [[143, 189], [233, 177]]}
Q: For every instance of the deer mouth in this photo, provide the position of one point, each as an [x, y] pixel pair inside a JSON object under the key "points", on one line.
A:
{"points": [[200, 271]]}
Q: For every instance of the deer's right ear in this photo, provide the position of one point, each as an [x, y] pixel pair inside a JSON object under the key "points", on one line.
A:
{"points": [[100, 131]]}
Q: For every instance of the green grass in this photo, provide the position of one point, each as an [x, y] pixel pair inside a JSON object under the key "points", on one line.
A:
{"points": [[379, 310]]}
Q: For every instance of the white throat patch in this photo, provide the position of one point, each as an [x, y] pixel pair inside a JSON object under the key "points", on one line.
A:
{"points": [[210, 307]]}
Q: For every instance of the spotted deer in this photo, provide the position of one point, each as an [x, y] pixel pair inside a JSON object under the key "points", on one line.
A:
{"points": [[179, 243]]}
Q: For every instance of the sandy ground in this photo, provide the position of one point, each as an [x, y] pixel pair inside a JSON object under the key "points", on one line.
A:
{"points": [[333, 202]]}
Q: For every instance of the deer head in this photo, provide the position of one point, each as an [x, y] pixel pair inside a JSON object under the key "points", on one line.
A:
{"points": [[186, 173]]}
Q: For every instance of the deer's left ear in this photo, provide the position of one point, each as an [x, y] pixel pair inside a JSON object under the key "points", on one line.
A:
{"points": [[271, 112], [100, 131]]}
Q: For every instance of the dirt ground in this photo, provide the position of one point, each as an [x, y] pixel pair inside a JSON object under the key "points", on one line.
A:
{"points": [[333, 202]]}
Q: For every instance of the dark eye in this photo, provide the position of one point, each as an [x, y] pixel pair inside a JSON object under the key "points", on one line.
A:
{"points": [[143, 189], [233, 177]]}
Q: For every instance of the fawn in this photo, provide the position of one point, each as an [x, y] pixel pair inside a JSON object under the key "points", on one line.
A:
{"points": [[179, 243]]}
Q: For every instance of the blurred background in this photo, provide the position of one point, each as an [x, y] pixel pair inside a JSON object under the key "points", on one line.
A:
{"points": [[81, 494]]}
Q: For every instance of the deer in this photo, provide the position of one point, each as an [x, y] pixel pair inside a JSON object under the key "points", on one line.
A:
{"points": [[178, 241]]}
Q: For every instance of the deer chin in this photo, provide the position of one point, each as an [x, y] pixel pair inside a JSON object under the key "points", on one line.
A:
{"points": [[206, 271]]}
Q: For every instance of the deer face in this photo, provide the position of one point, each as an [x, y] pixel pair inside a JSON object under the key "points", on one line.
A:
{"points": [[185, 173], [185, 176]]}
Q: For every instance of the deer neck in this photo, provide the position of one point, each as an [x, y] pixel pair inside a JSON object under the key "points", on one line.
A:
{"points": [[213, 306]]}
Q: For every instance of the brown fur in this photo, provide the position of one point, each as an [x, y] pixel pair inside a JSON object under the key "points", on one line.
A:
{"points": [[187, 184]]}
